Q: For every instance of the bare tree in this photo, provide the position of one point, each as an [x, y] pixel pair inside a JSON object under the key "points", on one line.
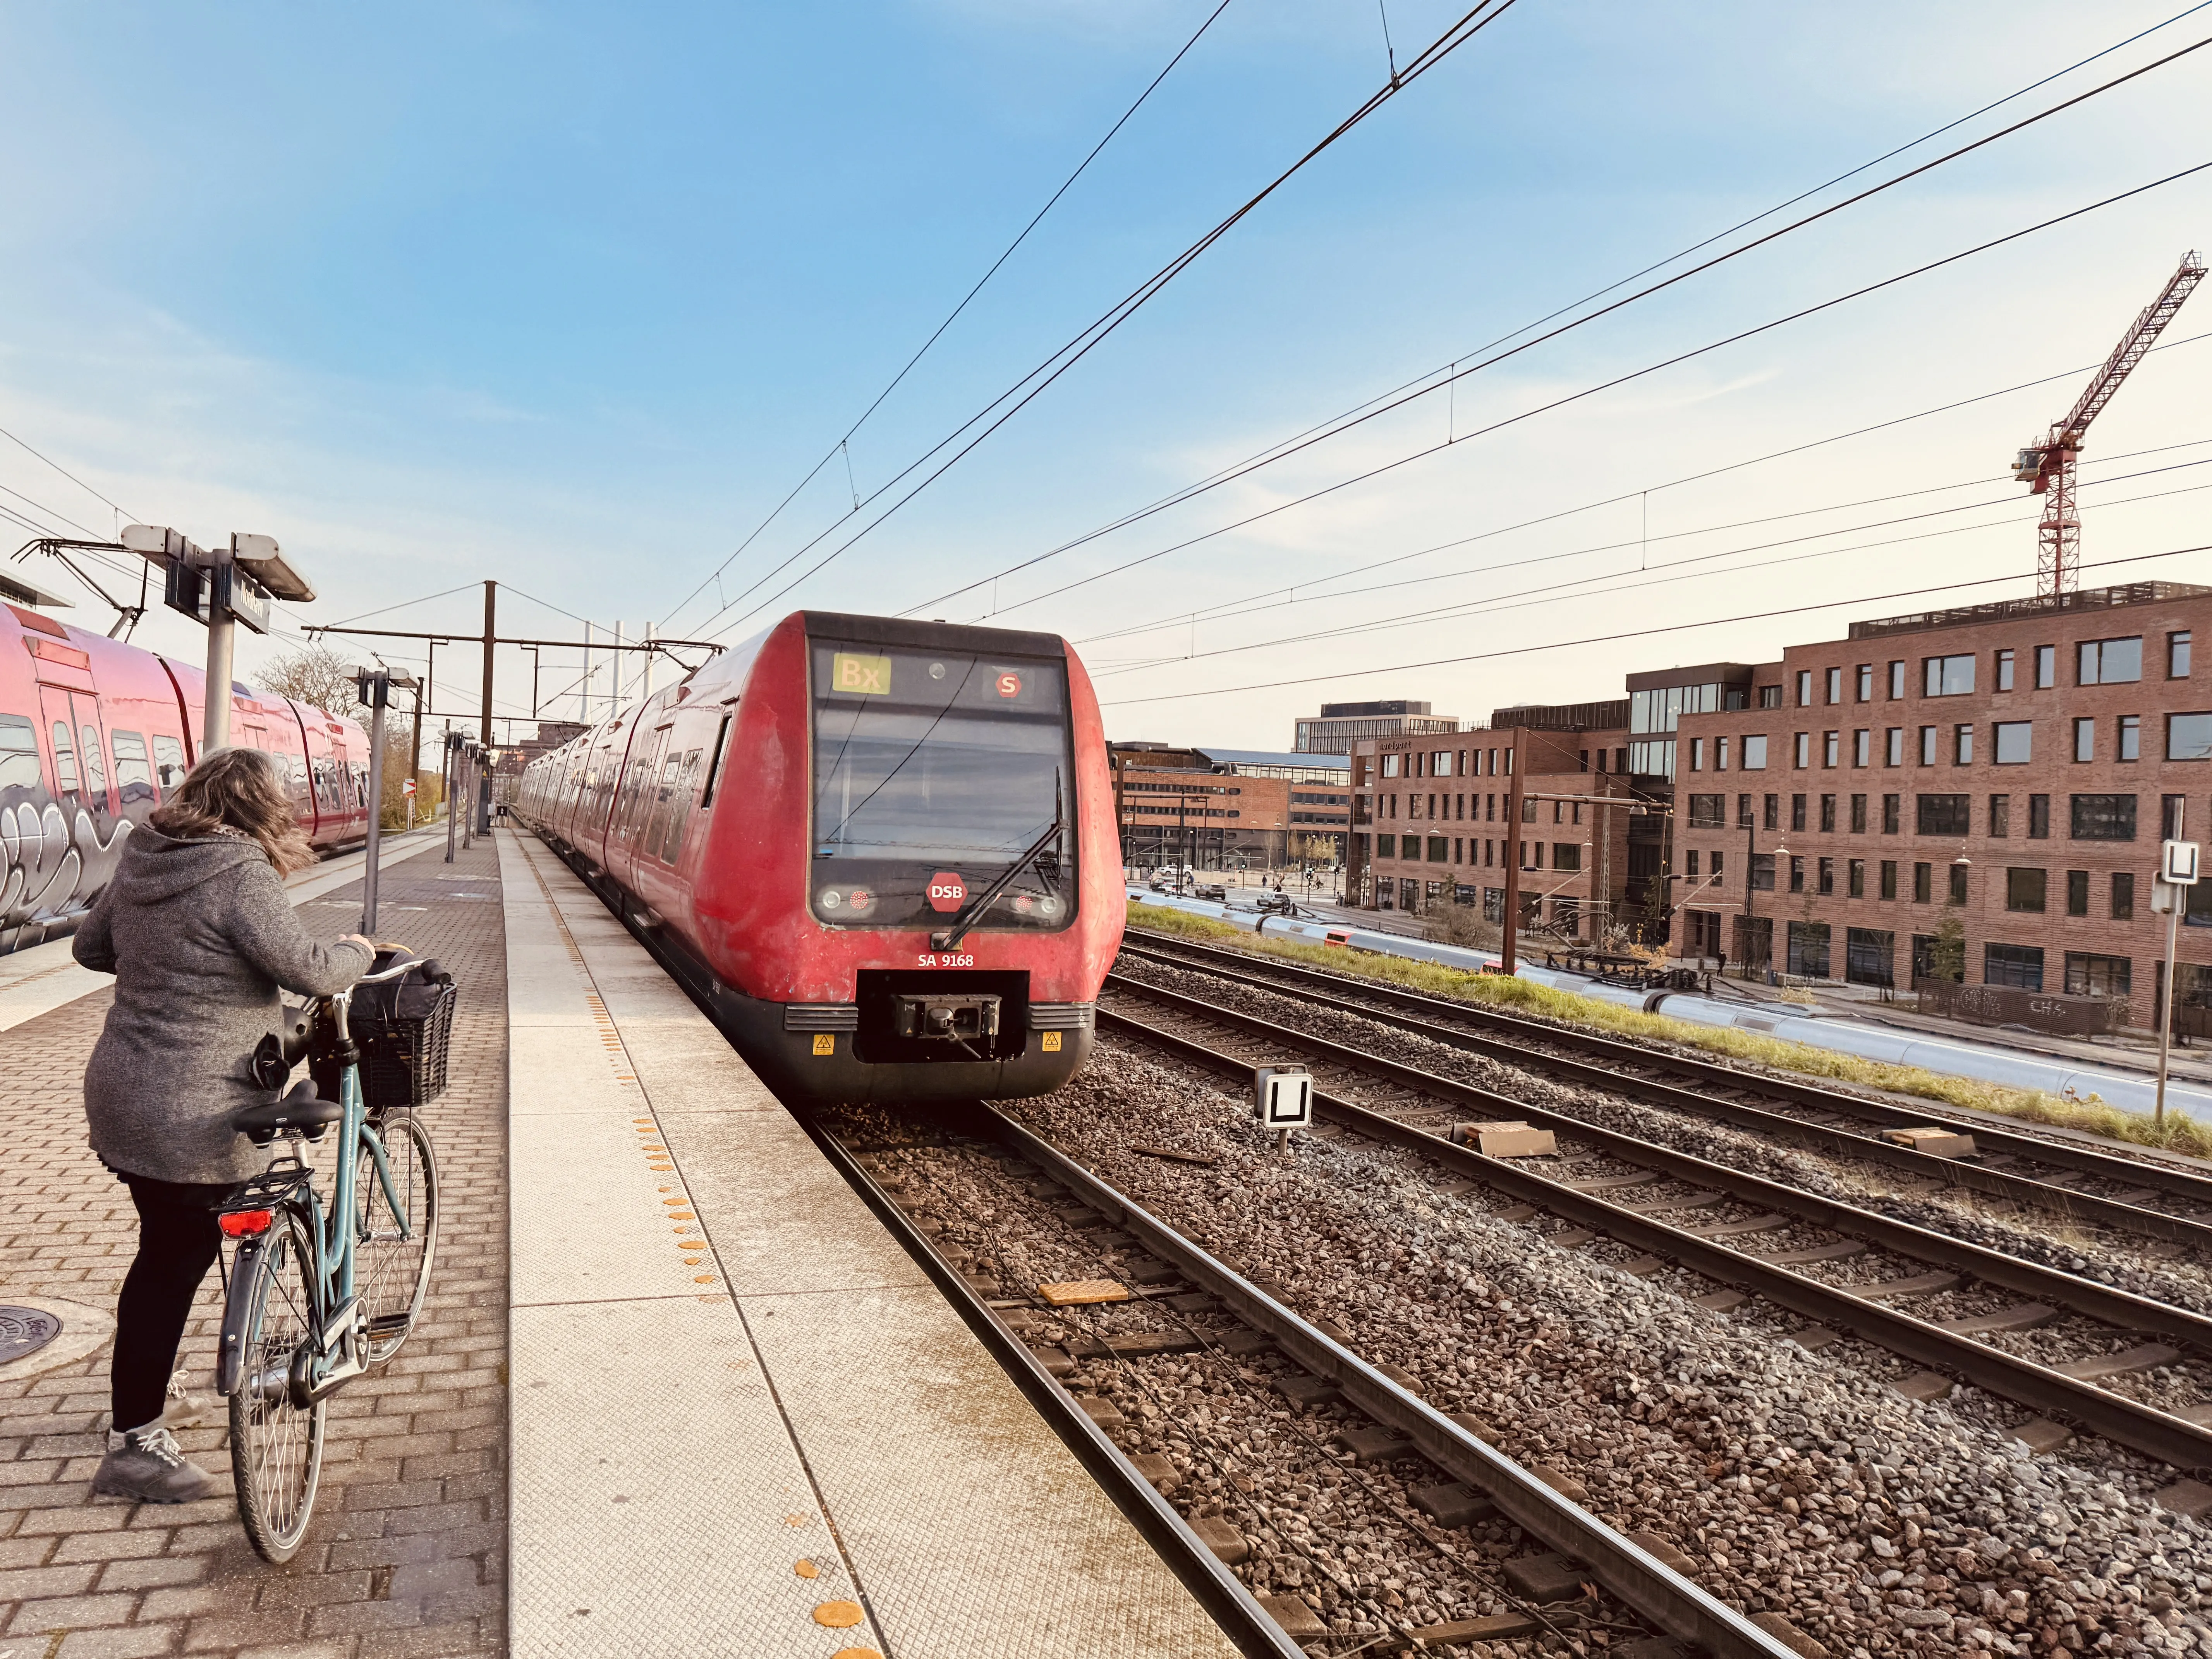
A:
{"points": [[316, 676]]}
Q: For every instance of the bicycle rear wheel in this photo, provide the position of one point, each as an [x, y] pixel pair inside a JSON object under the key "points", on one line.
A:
{"points": [[276, 1446], [393, 1249]]}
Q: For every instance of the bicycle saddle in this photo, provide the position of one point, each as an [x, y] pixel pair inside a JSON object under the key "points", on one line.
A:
{"points": [[302, 1109]]}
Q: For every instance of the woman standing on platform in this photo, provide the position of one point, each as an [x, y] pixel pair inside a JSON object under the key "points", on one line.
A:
{"points": [[200, 936]]}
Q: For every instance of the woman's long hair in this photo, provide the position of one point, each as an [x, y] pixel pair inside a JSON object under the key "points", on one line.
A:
{"points": [[238, 789]]}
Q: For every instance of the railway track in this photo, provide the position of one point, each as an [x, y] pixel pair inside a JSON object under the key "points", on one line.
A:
{"points": [[1558, 1573], [2087, 1188], [2016, 1317]]}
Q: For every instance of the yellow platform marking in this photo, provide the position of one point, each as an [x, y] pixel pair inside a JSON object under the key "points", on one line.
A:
{"points": [[839, 1615], [1081, 1292], [807, 1569]]}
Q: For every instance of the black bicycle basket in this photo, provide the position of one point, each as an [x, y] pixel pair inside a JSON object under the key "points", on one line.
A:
{"points": [[403, 1029]]}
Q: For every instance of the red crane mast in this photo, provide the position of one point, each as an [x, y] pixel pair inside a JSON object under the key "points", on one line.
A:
{"points": [[2047, 468]]}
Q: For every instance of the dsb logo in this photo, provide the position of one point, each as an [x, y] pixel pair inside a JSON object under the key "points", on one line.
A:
{"points": [[947, 892]]}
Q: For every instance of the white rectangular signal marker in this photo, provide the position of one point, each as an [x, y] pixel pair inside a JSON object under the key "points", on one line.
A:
{"points": [[2178, 863], [1284, 1094]]}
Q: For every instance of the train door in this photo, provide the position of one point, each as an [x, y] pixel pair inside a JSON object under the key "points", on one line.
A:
{"points": [[640, 795], [81, 770]]}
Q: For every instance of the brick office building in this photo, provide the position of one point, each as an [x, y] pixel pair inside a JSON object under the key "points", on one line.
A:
{"points": [[1221, 809], [1340, 725], [1426, 827], [2011, 766]]}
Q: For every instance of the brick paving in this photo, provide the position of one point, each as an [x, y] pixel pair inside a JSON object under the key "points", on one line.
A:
{"points": [[407, 1555]]}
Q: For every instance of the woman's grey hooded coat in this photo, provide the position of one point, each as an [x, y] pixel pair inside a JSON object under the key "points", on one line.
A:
{"points": [[199, 936]]}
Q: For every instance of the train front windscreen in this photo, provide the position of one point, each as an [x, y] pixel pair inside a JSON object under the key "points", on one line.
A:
{"points": [[936, 775]]}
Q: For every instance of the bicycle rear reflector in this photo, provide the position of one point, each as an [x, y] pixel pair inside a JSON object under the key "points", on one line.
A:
{"points": [[246, 1224]]}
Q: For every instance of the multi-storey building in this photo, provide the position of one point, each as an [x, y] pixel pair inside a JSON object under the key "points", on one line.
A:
{"points": [[1219, 808], [1340, 725], [1431, 824], [2010, 767]]}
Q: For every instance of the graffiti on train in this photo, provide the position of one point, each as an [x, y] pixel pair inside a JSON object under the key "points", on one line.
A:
{"points": [[54, 860]]}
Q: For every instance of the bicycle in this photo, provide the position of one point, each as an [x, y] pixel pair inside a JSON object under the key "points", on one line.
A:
{"points": [[315, 1299]]}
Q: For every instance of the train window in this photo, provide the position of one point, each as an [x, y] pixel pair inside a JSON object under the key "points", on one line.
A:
{"points": [[19, 753], [134, 777], [936, 775], [680, 818], [714, 766], [656, 827], [64, 759], [96, 760], [168, 761]]}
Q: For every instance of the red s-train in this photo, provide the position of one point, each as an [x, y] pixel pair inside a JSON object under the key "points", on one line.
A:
{"points": [[94, 734], [882, 852]]}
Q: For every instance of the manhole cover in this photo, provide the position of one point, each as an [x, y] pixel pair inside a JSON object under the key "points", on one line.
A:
{"points": [[25, 1330]]}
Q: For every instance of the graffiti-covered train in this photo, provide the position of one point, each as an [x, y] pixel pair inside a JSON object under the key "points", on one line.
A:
{"points": [[94, 734], [881, 852]]}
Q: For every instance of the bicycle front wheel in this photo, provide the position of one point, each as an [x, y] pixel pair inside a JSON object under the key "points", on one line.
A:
{"points": [[276, 1444], [395, 1232]]}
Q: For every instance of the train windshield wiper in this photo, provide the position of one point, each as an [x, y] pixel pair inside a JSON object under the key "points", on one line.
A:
{"points": [[971, 912]]}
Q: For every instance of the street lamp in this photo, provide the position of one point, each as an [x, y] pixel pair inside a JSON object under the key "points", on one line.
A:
{"points": [[374, 686], [218, 586]]}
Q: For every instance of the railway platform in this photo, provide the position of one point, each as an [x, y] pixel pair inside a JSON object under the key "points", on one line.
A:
{"points": [[674, 1390]]}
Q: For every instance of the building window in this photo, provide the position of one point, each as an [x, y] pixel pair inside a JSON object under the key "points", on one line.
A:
{"points": [[1804, 750], [1770, 696], [2189, 737], [1865, 686], [2038, 817], [2172, 812], [1869, 953], [1947, 676], [1921, 874], [1386, 847], [1827, 815], [1862, 747], [1796, 812], [1744, 817], [2123, 896], [2077, 892], [2130, 737], [1827, 875], [2018, 965], [1831, 747], [1957, 883], [1835, 685], [2024, 889], [1696, 754], [1391, 763], [1858, 815], [2111, 662], [1893, 813], [1754, 754], [1804, 687], [1889, 878], [1566, 855], [1897, 682], [1808, 949], [1762, 872], [2104, 817], [1962, 746], [2177, 657], [2004, 671], [2085, 738], [1772, 812], [2012, 742], [1690, 862], [2000, 816], [1439, 849], [1705, 811], [1941, 814], [1892, 748], [2047, 667], [2090, 975], [1928, 745], [1858, 873], [1719, 754], [1716, 864], [1797, 873]]}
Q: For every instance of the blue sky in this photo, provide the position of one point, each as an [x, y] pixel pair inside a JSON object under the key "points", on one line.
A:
{"points": [[570, 297]]}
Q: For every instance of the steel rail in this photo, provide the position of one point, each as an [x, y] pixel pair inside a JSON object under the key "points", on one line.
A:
{"points": [[1996, 1184], [1677, 1605], [1212, 1584], [2124, 1421], [2153, 1170]]}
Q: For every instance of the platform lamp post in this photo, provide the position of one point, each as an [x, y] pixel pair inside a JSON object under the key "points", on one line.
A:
{"points": [[373, 688], [452, 777], [216, 587]]}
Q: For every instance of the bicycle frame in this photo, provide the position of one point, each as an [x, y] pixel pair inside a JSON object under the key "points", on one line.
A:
{"points": [[338, 1352]]}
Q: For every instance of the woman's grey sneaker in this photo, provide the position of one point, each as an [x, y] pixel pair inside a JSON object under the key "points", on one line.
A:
{"points": [[183, 1409], [144, 1464]]}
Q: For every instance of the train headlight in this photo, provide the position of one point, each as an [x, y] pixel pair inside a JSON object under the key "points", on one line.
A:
{"points": [[855, 901], [1049, 906], [832, 899]]}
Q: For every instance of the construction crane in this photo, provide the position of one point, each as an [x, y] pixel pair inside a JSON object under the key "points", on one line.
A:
{"points": [[2047, 468]]}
